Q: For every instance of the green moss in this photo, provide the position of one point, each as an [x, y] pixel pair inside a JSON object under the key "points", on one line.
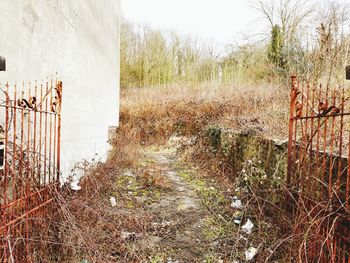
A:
{"points": [[184, 175], [159, 258], [210, 196], [209, 258], [198, 184], [212, 229], [129, 204], [134, 186], [214, 134]]}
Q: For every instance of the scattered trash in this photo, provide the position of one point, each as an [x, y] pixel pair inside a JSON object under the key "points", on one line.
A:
{"points": [[163, 224], [74, 185], [169, 260], [128, 174], [236, 203], [248, 227], [130, 235], [237, 217], [113, 201], [166, 223], [237, 221], [250, 253]]}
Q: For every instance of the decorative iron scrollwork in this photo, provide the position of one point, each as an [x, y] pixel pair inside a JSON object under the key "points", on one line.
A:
{"points": [[31, 103], [56, 101]]}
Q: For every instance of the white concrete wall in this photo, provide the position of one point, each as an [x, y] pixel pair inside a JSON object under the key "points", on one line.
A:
{"points": [[78, 39]]}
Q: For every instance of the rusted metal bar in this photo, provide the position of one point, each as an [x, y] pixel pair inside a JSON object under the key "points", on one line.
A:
{"points": [[21, 158], [293, 96], [347, 193], [50, 135], [340, 143], [40, 135], [34, 172], [323, 116], [45, 135], [29, 179], [59, 102], [311, 153]]}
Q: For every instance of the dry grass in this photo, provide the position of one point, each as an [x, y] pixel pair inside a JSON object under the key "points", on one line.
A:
{"points": [[152, 115]]}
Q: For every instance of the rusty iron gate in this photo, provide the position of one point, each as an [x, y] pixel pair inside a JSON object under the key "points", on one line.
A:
{"points": [[30, 118], [318, 178]]}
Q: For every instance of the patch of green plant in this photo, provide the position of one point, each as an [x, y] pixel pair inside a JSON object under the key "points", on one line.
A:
{"points": [[127, 183], [179, 125], [146, 162], [212, 228], [159, 258], [226, 147], [255, 178], [199, 184], [129, 204], [209, 258], [134, 186], [210, 196], [186, 176]]}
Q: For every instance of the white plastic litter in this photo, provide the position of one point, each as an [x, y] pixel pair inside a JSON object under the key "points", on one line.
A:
{"points": [[250, 253], [113, 201], [128, 174], [237, 221], [236, 203], [170, 260], [237, 217], [248, 227], [75, 185], [130, 235]]}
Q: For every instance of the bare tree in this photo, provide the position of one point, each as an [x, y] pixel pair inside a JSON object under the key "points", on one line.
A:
{"points": [[286, 19]]}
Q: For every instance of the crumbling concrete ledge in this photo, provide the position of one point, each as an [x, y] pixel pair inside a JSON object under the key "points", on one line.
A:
{"points": [[239, 147]]}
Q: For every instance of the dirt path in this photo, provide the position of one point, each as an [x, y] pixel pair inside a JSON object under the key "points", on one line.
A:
{"points": [[186, 225], [181, 211]]}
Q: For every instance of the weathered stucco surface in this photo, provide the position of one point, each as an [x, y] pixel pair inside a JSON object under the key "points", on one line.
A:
{"points": [[80, 41]]}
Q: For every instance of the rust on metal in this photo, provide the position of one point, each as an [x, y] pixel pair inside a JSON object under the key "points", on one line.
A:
{"points": [[30, 136], [318, 177]]}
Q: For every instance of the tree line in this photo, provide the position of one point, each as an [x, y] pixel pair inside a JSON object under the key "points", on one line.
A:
{"points": [[308, 40]]}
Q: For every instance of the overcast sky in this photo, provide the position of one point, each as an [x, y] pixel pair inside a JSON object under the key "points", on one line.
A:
{"points": [[221, 21]]}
